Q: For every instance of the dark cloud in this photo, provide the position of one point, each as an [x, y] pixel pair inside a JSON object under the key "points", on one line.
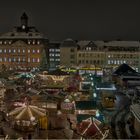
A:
{"points": [[78, 19]]}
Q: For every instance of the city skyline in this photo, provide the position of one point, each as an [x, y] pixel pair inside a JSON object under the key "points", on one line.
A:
{"points": [[79, 20]]}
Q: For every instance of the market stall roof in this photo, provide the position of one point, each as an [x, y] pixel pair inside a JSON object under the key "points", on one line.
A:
{"points": [[105, 86], [85, 105], [124, 69], [27, 112], [57, 72]]}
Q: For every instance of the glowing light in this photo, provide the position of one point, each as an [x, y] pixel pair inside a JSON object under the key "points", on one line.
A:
{"points": [[94, 95]]}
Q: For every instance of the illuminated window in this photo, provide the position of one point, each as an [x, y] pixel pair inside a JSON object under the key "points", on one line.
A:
{"points": [[28, 50], [9, 60], [33, 42], [51, 54], [23, 51], [38, 51], [9, 42], [0, 42], [5, 59], [38, 42], [9, 50], [33, 59], [5, 42], [57, 59], [51, 59], [14, 59], [18, 50], [108, 61], [18, 59], [29, 60], [0, 50], [51, 50], [0, 59], [108, 56], [57, 50], [57, 54], [29, 42], [38, 60], [4, 50], [33, 51], [23, 59], [14, 50]]}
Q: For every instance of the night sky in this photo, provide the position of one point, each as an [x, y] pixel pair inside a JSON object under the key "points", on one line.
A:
{"points": [[77, 19]]}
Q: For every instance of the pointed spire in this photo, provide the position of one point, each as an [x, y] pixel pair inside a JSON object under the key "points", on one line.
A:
{"points": [[24, 20]]}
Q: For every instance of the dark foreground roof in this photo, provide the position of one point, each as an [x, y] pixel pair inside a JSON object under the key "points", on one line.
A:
{"points": [[123, 70]]}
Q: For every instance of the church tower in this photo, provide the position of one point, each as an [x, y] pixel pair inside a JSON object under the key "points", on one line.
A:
{"points": [[24, 21]]}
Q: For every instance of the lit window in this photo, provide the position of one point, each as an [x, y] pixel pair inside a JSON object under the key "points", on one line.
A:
{"points": [[108, 56], [23, 59], [14, 50], [33, 42], [57, 59], [14, 59], [29, 60], [18, 50], [29, 51], [33, 51], [57, 54], [51, 59], [5, 42], [18, 59], [108, 61], [9, 60], [51, 50], [9, 42], [38, 42], [38, 60], [4, 50], [9, 50], [57, 50], [29, 42], [0, 42], [115, 62], [5, 59], [0, 50], [23, 51], [33, 59], [0, 59], [38, 51]]}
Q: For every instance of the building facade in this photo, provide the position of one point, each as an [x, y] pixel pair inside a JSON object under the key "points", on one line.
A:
{"points": [[100, 53], [54, 55], [68, 53], [22, 48]]}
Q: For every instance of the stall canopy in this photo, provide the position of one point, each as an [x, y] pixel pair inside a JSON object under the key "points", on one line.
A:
{"points": [[27, 112]]}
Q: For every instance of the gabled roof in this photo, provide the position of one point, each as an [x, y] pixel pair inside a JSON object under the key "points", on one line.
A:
{"points": [[124, 69]]}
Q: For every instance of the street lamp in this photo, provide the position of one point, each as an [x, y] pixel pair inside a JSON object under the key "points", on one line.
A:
{"points": [[94, 95], [97, 113]]}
